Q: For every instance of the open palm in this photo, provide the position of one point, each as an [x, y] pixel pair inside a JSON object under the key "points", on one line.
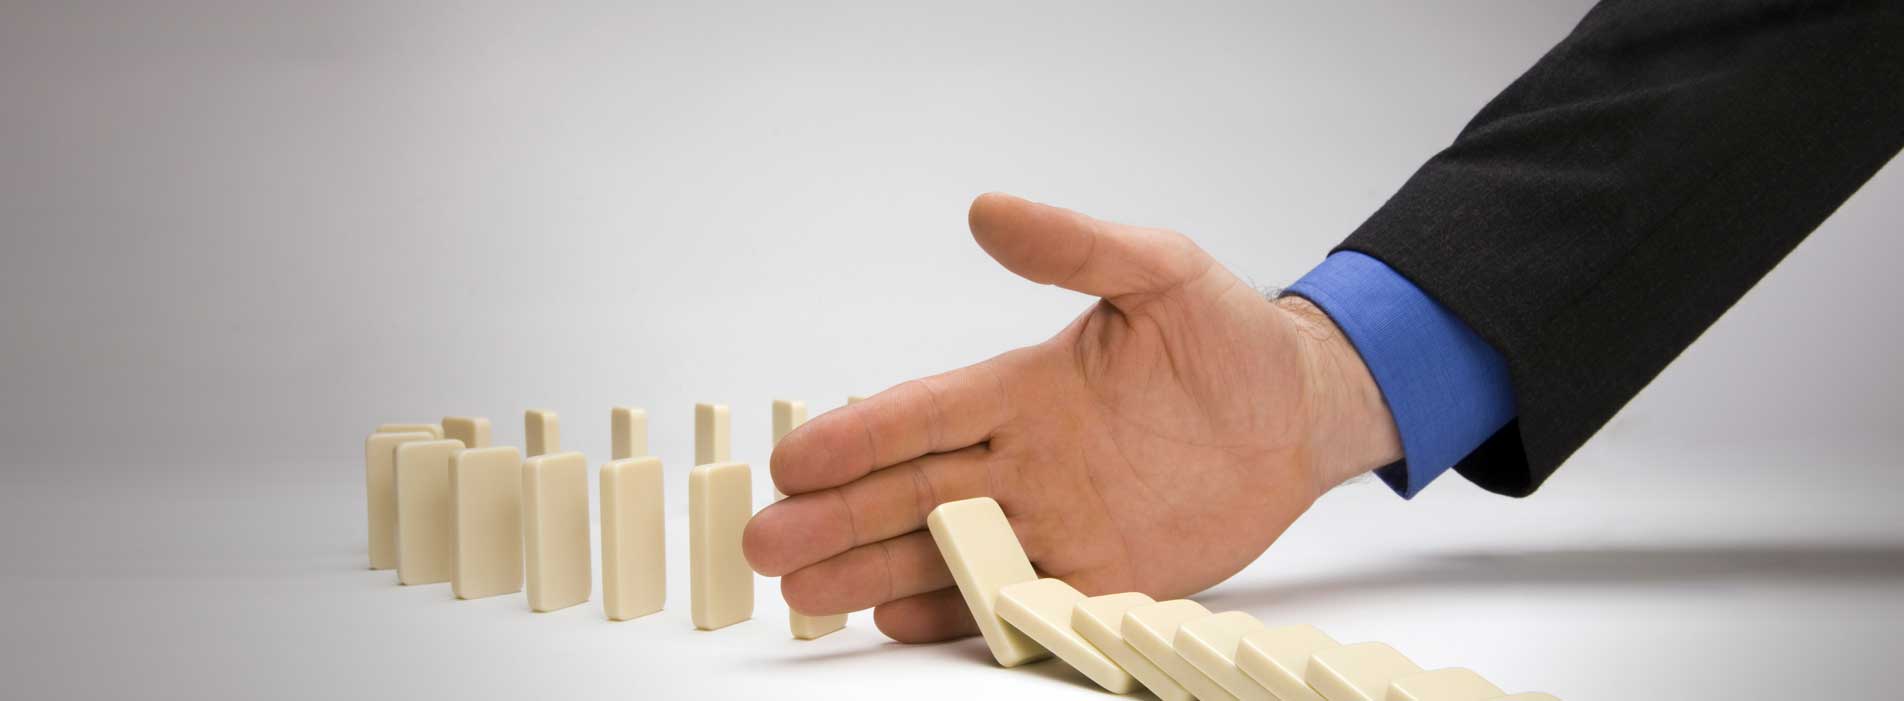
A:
{"points": [[1159, 443]]}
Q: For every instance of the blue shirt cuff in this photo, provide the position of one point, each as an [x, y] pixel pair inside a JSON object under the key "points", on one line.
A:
{"points": [[1447, 389]]}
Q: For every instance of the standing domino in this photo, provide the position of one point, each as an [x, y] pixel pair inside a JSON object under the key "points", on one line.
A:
{"points": [[1451, 684], [1152, 630], [1359, 672], [380, 494], [555, 530], [423, 511], [710, 433], [634, 563], [983, 553], [1209, 644], [1042, 609], [473, 431], [542, 432], [788, 415], [627, 432], [721, 584], [486, 522], [1278, 659], [1100, 619], [435, 431]]}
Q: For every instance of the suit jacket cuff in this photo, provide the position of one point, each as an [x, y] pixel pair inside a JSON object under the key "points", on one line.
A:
{"points": [[1447, 389]]}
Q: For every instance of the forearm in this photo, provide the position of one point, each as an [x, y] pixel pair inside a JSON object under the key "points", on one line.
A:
{"points": [[1608, 206]]}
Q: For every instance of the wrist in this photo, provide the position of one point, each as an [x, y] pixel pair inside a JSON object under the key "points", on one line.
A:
{"points": [[1351, 430]]}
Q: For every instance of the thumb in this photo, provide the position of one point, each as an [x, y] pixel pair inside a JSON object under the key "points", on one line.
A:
{"points": [[1054, 246]]}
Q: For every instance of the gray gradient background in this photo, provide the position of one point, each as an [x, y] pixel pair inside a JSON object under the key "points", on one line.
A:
{"points": [[239, 235]]}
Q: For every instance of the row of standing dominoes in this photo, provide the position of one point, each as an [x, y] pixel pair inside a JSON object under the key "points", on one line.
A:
{"points": [[1177, 649], [446, 506]]}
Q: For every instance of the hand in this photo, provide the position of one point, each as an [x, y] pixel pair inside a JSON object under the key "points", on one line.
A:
{"points": [[1159, 443]]}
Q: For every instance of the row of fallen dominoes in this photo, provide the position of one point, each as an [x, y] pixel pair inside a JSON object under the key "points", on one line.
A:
{"points": [[1176, 649], [446, 506]]}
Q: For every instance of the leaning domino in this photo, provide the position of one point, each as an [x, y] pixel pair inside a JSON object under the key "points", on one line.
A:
{"points": [[984, 555], [1451, 684], [1359, 672], [1100, 620], [1278, 659], [1042, 609], [1152, 629], [1209, 644]]}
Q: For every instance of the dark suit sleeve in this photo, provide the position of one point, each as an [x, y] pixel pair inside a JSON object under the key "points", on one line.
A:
{"points": [[1607, 207]]}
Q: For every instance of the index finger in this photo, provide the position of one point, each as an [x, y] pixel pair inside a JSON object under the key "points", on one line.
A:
{"points": [[934, 414]]}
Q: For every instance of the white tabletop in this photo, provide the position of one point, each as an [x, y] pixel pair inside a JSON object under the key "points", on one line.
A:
{"points": [[1630, 577]]}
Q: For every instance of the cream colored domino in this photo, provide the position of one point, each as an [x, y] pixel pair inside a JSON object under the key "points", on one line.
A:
{"points": [[473, 431], [1100, 619], [380, 494], [486, 522], [710, 433], [423, 511], [1450, 684], [983, 553], [542, 432], [1278, 659], [1359, 672], [721, 584], [1527, 696], [1209, 644], [852, 399], [634, 562], [435, 431], [555, 530], [1152, 629], [788, 415], [1041, 608], [628, 433]]}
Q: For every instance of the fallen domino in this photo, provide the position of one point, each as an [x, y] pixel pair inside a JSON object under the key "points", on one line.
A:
{"points": [[1042, 609]]}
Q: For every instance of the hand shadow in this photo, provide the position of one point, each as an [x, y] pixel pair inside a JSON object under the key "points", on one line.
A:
{"points": [[1610, 566]]}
